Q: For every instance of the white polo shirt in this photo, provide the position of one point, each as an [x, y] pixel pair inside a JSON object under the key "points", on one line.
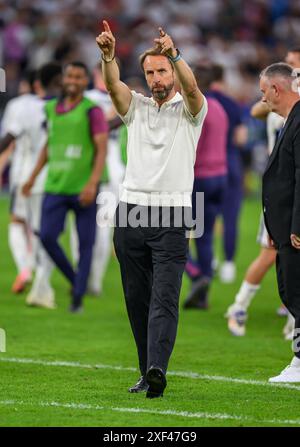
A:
{"points": [[274, 124], [161, 151]]}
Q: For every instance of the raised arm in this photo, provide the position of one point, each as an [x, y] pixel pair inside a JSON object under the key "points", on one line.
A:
{"points": [[191, 93], [118, 91]]}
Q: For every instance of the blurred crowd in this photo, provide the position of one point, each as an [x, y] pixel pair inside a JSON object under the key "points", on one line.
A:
{"points": [[243, 36]]}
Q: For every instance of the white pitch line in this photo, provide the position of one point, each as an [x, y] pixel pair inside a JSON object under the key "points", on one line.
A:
{"points": [[183, 414], [184, 374], [64, 363]]}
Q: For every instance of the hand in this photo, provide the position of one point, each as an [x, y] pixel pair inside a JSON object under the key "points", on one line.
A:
{"points": [[106, 42], [270, 242], [295, 241], [88, 194], [26, 188], [165, 44]]}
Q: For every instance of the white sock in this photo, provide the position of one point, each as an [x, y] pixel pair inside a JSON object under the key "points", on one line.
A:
{"points": [[101, 256], [32, 252], [18, 244], [245, 295], [295, 362], [41, 283], [74, 243]]}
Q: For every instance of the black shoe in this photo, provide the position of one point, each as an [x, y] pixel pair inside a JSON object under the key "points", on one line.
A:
{"points": [[198, 296], [140, 386], [76, 305], [157, 382], [76, 308]]}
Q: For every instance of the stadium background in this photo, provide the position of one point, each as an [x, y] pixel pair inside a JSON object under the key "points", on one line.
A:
{"points": [[229, 386]]}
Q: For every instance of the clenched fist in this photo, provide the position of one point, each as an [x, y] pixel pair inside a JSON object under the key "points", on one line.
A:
{"points": [[106, 42]]}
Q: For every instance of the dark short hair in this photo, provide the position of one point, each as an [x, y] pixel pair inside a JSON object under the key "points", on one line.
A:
{"points": [[30, 76], [154, 51], [49, 73], [217, 73], [294, 50], [78, 64], [203, 75], [207, 73]]}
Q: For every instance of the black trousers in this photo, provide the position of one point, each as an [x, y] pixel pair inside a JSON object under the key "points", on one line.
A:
{"points": [[152, 262], [288, 279]]}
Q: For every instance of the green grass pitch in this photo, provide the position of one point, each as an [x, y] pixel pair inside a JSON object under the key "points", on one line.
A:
{"points": [[75, 392]]}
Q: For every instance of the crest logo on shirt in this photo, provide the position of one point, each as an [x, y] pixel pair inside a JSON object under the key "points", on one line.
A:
{"points": [[73, 151], [2, 80]]}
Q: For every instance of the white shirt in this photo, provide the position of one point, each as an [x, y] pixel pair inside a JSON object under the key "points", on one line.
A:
{"points": [[24, 118], [274, 124], [161, 151]]}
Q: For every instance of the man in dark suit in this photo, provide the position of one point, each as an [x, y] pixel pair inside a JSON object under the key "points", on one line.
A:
{"points": [[281, 196]]}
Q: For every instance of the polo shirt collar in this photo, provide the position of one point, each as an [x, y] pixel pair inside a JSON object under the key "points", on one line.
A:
{"points": [[177, 97]]}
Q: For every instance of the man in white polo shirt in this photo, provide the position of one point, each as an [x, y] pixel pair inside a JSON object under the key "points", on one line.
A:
{"points": [[163, 132]]}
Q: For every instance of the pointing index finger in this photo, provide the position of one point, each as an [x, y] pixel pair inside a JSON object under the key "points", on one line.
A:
{"points": [[161, 32], [106, 26]]}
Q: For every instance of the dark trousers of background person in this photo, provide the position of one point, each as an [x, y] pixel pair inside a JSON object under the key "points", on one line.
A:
{"points": [[232, 204], [288, 279], [213, 189], [152, 261], [54, 210]]}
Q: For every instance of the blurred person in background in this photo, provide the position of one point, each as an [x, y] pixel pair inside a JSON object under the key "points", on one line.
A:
{"points": [[236, 138], [49, 78], [75, 154], [237, 312], [16, 131], [210, 179], [24, 125], [19, 235]]}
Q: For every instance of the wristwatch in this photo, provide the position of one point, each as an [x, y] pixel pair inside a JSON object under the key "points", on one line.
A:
{"points": [[176, 58]]}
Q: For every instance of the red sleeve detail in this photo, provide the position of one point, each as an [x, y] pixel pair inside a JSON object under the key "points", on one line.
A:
{"points": [[98, 123]]}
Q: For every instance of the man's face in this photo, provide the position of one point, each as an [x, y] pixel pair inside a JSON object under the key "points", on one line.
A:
{"points": [[75, 80], [270, 93], [159, 76], [293, 59]]}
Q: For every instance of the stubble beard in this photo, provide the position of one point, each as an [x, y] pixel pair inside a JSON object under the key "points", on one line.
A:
{"points": [[162, 94]]}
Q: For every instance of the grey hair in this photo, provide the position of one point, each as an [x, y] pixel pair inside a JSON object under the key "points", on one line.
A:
{"points": [[279, 69]]}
